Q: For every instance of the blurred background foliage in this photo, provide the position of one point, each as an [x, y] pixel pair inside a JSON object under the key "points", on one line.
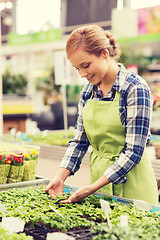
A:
{"points": [[14, 83], [47, 81], [129, 56]]}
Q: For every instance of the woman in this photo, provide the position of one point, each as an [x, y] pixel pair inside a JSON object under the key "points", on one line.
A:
{"points": [[114, 118]]}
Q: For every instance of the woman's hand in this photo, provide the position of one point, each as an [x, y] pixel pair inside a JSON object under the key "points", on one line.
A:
{"points": [[87, 190], [79, 194], [55, 188]]}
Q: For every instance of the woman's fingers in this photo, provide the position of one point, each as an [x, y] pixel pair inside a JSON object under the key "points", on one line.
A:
{"points": [[55, 188], [48, 187], [65, 201], [78, 195]]}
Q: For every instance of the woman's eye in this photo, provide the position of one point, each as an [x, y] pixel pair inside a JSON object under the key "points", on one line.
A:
{"points": [[86, 66]]}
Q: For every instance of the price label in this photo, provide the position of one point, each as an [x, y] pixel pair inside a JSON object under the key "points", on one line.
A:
{"points": [[12, 224]]}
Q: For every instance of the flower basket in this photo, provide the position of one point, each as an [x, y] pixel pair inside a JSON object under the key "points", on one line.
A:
{"points": [[5, 161], [30, 164], [17, 168], [18, 162]]}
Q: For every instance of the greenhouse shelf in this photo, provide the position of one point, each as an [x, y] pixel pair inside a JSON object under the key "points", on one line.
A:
{"points": [[25, 184]]}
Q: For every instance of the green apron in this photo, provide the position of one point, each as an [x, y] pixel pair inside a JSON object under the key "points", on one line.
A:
{"points": [[107, 138]]}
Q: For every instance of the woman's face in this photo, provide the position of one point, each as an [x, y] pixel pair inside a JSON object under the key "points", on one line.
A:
{"points": [[89, 65]]}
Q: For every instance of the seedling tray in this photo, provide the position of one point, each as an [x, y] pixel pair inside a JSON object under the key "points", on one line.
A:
{"points": [[127, 201], [72, 189], [36, 234], [79, 231], [40, 233], [81, 234]]}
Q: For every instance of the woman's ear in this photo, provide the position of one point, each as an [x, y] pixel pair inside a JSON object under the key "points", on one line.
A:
{"points": [[105, 53]]}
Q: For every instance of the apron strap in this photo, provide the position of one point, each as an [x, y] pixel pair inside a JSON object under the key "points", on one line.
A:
{"points": [[109, 156]]}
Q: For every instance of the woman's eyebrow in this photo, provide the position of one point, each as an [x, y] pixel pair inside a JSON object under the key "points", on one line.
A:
{"points": [[84, 63], [81, 64]]}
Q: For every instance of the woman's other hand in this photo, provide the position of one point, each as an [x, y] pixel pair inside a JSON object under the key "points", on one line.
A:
{"points": [[83, 192], [80, 194]]}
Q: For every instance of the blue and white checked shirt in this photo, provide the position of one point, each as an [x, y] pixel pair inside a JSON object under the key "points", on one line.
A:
{"points": [[135, 108]]}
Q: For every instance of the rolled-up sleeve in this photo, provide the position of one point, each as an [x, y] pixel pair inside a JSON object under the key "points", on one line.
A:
{"points": [[78, 146]]}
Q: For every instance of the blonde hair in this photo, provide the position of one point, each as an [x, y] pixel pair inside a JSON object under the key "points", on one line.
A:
{"points": [[93, 39]]}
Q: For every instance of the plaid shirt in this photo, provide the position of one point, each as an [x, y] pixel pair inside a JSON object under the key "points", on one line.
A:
{"points": [[135, 108]]}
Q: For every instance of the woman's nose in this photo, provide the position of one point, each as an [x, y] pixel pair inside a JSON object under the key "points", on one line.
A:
{"points": [[82, 73]]}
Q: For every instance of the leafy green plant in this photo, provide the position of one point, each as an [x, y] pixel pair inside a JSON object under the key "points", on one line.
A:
{"points": [[14, 83], [33, 206]]}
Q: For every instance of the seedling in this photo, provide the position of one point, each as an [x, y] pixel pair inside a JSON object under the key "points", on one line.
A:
{"points": [[3, 209]]}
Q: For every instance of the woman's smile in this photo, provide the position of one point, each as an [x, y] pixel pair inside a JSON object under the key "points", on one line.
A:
{"points": [[90, 78]]}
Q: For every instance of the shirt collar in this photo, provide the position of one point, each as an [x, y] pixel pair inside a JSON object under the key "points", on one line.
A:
{"points": [[120, 79]]}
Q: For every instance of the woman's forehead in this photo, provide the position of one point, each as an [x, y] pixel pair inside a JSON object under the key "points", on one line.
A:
{"points": [[80, 57]]}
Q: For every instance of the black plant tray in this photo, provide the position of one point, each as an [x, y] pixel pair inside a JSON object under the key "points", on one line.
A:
{"points": [[84, 234], [36, 234], [39, 232]]}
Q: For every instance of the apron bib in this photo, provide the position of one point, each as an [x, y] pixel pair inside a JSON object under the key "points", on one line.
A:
{"points": [[107, 138]]}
